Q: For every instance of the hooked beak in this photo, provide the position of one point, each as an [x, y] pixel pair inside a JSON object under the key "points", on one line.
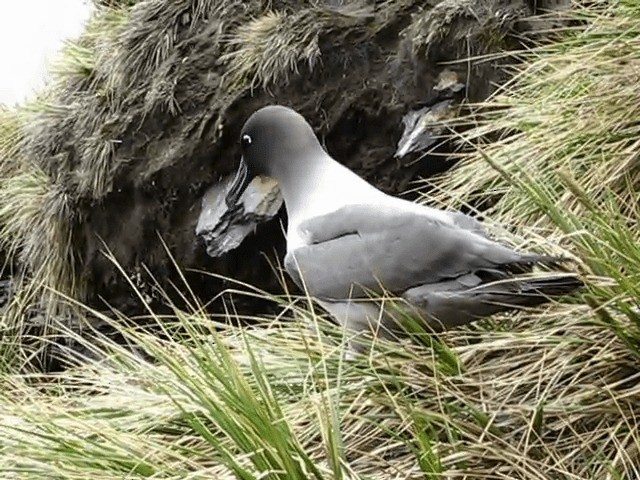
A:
{"points": [[239, 185]]}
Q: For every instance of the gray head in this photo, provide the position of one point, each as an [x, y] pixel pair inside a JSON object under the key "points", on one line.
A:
{"points": [[275, 141]]}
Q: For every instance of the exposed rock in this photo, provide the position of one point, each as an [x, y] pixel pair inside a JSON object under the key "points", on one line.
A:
{"points": [[449, 81], [222, 229], [423, 127]]}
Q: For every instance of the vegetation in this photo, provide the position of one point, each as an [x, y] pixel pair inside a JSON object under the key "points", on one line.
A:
{"points": [[540, 395]]}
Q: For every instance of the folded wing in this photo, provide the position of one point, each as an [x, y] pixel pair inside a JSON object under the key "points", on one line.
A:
{"points": [[362, 248]]}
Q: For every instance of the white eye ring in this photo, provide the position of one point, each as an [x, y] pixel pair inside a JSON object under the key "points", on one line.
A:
{"points": [[246, 140]]}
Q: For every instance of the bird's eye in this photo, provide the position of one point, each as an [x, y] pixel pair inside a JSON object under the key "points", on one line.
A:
{"points": [[245, 141]]}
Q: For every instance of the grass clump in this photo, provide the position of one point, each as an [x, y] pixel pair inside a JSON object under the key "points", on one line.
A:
{"points": [[268, 49], [563, 159], [36, 219], [11, 123], [279, 400]]}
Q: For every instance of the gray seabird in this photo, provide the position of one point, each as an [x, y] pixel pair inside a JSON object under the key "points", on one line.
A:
{"points": [[347, 241]]}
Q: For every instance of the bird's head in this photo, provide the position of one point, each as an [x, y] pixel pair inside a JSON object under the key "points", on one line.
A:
{"points": [[275, 140]]}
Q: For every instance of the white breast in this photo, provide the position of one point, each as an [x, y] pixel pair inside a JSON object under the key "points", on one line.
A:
{"points": [[328, 189], [331, 187]]}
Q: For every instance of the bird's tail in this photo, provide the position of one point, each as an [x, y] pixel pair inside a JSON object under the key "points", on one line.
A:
{"points": [[453, 303]]}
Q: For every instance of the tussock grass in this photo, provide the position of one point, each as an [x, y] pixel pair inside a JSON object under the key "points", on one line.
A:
{"points": [[433, 28], [11, 123], [570, 106], [77, 61], [268, 49], [553, 397], [548, 394], [35, 227], [563, 155]]}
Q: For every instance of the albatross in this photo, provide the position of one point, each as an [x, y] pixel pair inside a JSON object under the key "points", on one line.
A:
{"points": [[349, 245]]}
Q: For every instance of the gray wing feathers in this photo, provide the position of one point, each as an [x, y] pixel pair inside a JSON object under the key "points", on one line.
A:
{"points": [[468, 223], [359, 248], [457, 302]]}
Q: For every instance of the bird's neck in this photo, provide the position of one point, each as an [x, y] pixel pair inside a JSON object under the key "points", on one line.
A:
{"points": [[322, 187]]}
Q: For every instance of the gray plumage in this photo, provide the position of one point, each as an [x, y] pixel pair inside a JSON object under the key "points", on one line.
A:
{"points": [[347, 241]]}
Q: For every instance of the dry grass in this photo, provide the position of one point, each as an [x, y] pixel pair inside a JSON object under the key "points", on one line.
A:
{"points": [[564, 155], [35, 216], [268, 49], [551, 397], [571, 106]]}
